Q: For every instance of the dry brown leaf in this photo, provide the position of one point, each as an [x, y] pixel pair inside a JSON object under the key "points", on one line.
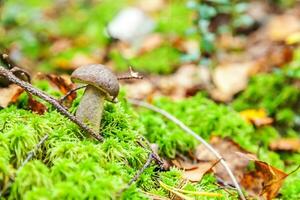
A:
{"points": [[184, 164], [257, 117], [286, 144], [193, 171], [230, 79], [36, 106], [151, 42], [265, 181], [228, 42], [195, 175], [64, 85], [276, 30], [151, 5], [60, 45], [189, 79], [81, 59], [78, 60], [9, 94], [140, 89], [229, 150]]}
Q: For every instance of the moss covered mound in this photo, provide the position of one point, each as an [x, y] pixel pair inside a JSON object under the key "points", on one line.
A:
{"points": [[71, 166]]}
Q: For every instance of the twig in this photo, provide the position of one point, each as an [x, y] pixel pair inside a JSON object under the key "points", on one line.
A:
{"points": [[154, 154], [132, 75], [196, 136], [36, 92], [139, 173], [70, 92], [32, 152]]}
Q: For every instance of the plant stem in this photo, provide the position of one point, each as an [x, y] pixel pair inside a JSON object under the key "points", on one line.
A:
{"points": [[196, 136], [36, 92]]}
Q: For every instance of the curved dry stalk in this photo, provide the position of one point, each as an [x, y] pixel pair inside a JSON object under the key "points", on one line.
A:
{"points": [[196, 193], [196, 136], [60, 108]]}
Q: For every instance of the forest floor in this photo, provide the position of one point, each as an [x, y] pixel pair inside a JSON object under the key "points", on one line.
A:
{"points": [[220, 86]]}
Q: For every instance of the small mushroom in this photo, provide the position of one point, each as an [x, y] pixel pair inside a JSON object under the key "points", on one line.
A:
{"points": [[102, 85]]}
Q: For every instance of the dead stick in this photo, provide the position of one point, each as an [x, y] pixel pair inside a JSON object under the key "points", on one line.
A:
{"points": [[36, 92], [70, 92], [132, 75], [154, 154], [32, 152], [196, 136], [139, 173]]}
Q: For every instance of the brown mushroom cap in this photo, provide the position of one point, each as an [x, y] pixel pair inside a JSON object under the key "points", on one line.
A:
{"points": [[100, 77]]}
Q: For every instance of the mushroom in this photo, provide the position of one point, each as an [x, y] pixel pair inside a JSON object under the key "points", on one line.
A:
{"points": [[102, 85]]}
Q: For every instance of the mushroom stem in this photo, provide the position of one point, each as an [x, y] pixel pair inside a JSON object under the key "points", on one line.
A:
{"points": [[90, 108]]}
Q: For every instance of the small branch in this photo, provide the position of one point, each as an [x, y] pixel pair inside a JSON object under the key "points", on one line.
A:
{"points": [[196, 136], [32, 152], [36, 92], [132, 75], [154, 154], [138, 174], [70, 92]]}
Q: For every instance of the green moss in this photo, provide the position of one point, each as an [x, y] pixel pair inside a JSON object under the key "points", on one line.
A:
{"points": [[274, 92], [67, 161], [200, 114], [162, 60], [175, 19]]}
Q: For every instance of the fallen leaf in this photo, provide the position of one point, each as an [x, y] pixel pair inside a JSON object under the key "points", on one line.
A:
{"points": [[196, 174], [230, 42], [230, 79], [151, 5], [294, 38], [285, 144], [185, 164], [78, 59], [60, 45], [189, 79], [141, 89], [277, 32], [81, 59], [151, 42], [9, 94], [257, 117], [64, 85], [230, 151], [265, 181], [36, 106]]}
